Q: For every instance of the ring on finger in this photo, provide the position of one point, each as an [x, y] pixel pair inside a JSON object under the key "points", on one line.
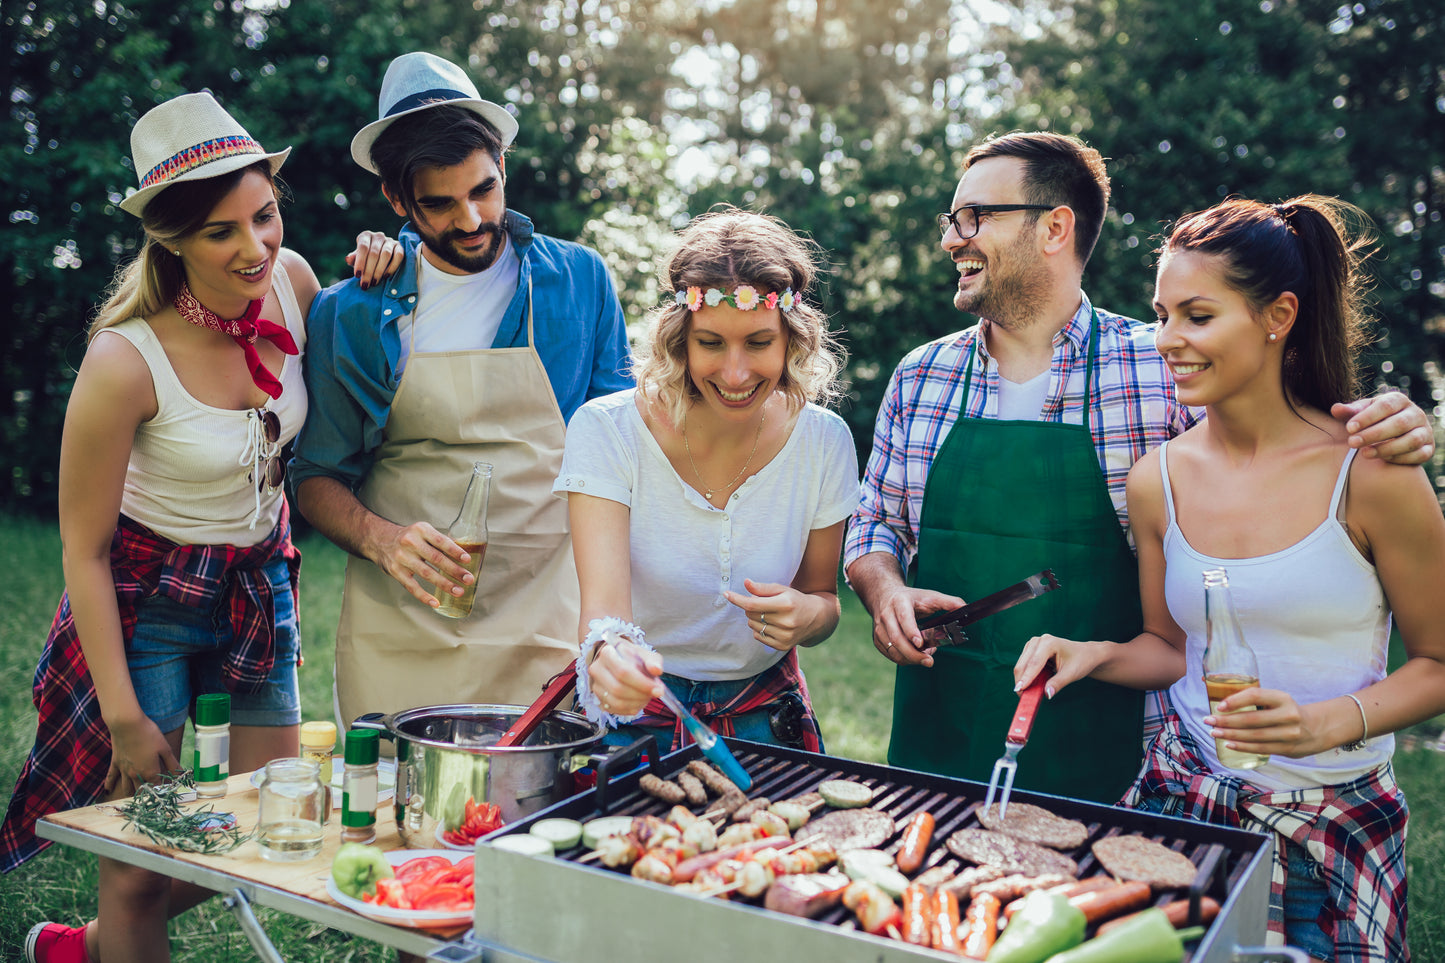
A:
{"points": [[763, 632], [763, 618]]}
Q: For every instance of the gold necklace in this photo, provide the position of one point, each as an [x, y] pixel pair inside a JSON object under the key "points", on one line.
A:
{"points": [[709, 492]]}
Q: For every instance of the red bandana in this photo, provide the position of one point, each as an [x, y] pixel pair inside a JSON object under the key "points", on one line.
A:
{"points": [[245, 329]]}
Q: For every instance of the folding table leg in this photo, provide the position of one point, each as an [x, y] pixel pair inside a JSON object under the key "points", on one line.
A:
{"points": [[240, 906]]}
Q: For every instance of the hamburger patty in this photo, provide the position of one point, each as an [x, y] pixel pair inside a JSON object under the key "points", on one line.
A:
{"points": [[851, 828], [1034, 824], [1134, 857], [989, 848]]}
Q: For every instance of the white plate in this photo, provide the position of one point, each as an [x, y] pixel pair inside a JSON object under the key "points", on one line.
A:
{"points": [[414, 919], [385, 780], [455, 847]]}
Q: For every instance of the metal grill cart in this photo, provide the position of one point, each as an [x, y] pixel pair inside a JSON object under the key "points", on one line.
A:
{"points": [[563, 909]]}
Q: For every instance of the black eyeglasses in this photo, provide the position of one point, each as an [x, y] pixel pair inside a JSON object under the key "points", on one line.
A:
{"points": [[270, 468], [964, 220]]}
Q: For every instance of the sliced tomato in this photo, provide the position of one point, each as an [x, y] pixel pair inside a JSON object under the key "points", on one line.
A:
{"points": [[446, 896], [421, 865], [428, 877], [459, 874], [392, 892]]}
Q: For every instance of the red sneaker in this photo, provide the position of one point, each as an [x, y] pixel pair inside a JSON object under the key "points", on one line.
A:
{"points": [[53, 943]]}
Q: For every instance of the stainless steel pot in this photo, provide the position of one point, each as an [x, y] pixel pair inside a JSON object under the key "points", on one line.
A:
{"points": [[446, 755]]}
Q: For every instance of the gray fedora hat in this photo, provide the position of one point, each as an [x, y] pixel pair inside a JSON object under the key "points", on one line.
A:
{"points": [[187, 138], [418, 81]]}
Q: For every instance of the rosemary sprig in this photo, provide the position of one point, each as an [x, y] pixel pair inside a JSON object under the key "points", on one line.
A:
{"points": [[155, 811]]}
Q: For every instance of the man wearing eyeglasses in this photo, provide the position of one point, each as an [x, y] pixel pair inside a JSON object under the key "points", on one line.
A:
{"points": [[1002, 450], [479, 349]]}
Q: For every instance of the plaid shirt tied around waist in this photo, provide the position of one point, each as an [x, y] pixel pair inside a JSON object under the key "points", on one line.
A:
{"points": [[762, 690], [67, 765], [1355, 831]]}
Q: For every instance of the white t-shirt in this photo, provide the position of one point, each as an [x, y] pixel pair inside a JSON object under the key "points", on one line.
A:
{"points": [[685, 552], [459, 312], [1022, 400]]}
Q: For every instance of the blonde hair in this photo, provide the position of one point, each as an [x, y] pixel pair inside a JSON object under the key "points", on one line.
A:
{"points": [[144, 285], [722, 249]]}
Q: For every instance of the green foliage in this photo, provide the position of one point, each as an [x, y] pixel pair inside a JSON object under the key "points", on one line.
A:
{"points": [[1195, 102], [587, 85], [841, 118]]}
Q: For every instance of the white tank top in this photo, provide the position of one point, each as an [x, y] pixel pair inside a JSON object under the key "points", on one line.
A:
{"points": [[1315, 615], [188, 465]]}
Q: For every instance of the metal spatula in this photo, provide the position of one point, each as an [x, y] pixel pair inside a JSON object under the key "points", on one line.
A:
{"points": [[953, 621]]}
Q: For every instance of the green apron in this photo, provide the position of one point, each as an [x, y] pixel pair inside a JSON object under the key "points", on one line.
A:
{"points": [[1006, 499]]}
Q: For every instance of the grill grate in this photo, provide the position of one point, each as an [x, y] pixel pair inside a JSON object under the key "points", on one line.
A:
{"points": [[1231, 862]]}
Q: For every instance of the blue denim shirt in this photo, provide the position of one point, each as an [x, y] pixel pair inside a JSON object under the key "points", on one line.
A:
{"points": [[353, 346]]}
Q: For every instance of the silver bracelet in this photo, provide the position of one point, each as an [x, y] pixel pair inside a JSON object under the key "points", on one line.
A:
{"points": [[1365, 723], [598, 632]]}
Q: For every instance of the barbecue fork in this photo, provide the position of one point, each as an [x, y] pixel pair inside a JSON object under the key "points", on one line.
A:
{"points": [[1018, 736]]}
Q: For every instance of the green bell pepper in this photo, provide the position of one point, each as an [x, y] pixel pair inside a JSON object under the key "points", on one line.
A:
{"points": [[1148, 938], [357, 867], [1045, 925]]}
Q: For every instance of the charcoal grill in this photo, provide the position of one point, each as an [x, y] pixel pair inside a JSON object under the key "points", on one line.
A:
{"points": [[564, 909]]}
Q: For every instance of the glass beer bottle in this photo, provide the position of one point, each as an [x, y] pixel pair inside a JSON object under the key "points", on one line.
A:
{"points": [[470, 532], [1229, 663]]}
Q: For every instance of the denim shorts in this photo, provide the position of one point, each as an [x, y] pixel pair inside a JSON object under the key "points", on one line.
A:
{"points": [[177, 651], [1304, 899], [757, 726]]}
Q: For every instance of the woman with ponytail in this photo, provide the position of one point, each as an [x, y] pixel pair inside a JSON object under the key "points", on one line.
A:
{"points": [[1261, 322]]}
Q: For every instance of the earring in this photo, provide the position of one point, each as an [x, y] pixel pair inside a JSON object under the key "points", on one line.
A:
{"points": [[177, 253], [1272, 335]]}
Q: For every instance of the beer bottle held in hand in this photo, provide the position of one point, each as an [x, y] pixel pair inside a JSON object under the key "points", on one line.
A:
{"points": [[1229, 663], [470, 532]]}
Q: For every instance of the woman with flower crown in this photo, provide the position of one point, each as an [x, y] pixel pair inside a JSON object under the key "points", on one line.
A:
{"points": [[707, 504], [179, 569]]}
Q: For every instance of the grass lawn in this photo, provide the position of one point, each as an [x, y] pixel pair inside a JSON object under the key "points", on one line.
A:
{"points": [[850, 688]]}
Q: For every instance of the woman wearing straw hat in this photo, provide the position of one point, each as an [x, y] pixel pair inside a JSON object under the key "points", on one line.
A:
{"points": [[179, 568]]}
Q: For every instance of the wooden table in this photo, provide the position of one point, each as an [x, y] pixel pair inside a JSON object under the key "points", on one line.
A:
{"points": [[297, 888]]}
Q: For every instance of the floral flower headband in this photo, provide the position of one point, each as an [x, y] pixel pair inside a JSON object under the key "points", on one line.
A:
{"points": [[744, 297]]}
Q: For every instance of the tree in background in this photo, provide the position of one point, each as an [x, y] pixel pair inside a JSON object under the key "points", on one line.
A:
{"points": [[1195, 102], [847, 118], [842, 117], [78, 74]]}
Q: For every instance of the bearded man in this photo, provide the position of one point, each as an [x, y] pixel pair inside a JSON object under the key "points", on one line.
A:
{"points": [[478, 350], [1002, 450]]}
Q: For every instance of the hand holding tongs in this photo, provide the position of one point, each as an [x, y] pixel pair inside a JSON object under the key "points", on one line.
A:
{"points": [[1018, 736], [712, 747], [953, 621]]}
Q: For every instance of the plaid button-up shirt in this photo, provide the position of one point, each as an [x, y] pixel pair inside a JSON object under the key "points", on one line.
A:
{"points": [[1132, 409]]}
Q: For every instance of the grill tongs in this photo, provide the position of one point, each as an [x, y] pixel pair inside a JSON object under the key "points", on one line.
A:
{"points": [[952, 622], [1018, 736]]}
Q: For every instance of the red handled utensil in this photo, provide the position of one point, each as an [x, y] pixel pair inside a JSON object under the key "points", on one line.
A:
{"points": [[1018, 736], [562, 683]]}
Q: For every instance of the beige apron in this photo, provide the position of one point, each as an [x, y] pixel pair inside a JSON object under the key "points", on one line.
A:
{"points": [[451, 409]]}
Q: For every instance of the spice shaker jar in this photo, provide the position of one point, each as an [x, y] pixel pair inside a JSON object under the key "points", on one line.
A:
{"points": [[359, 786], [212, 759], [318, 743]]}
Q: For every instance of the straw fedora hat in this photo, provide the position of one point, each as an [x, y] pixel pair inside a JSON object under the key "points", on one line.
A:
{"points": [[187, 138], [418, 81]]}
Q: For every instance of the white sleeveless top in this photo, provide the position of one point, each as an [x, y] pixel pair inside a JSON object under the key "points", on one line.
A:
{"points": [[188, 465], [1315, 615]]}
